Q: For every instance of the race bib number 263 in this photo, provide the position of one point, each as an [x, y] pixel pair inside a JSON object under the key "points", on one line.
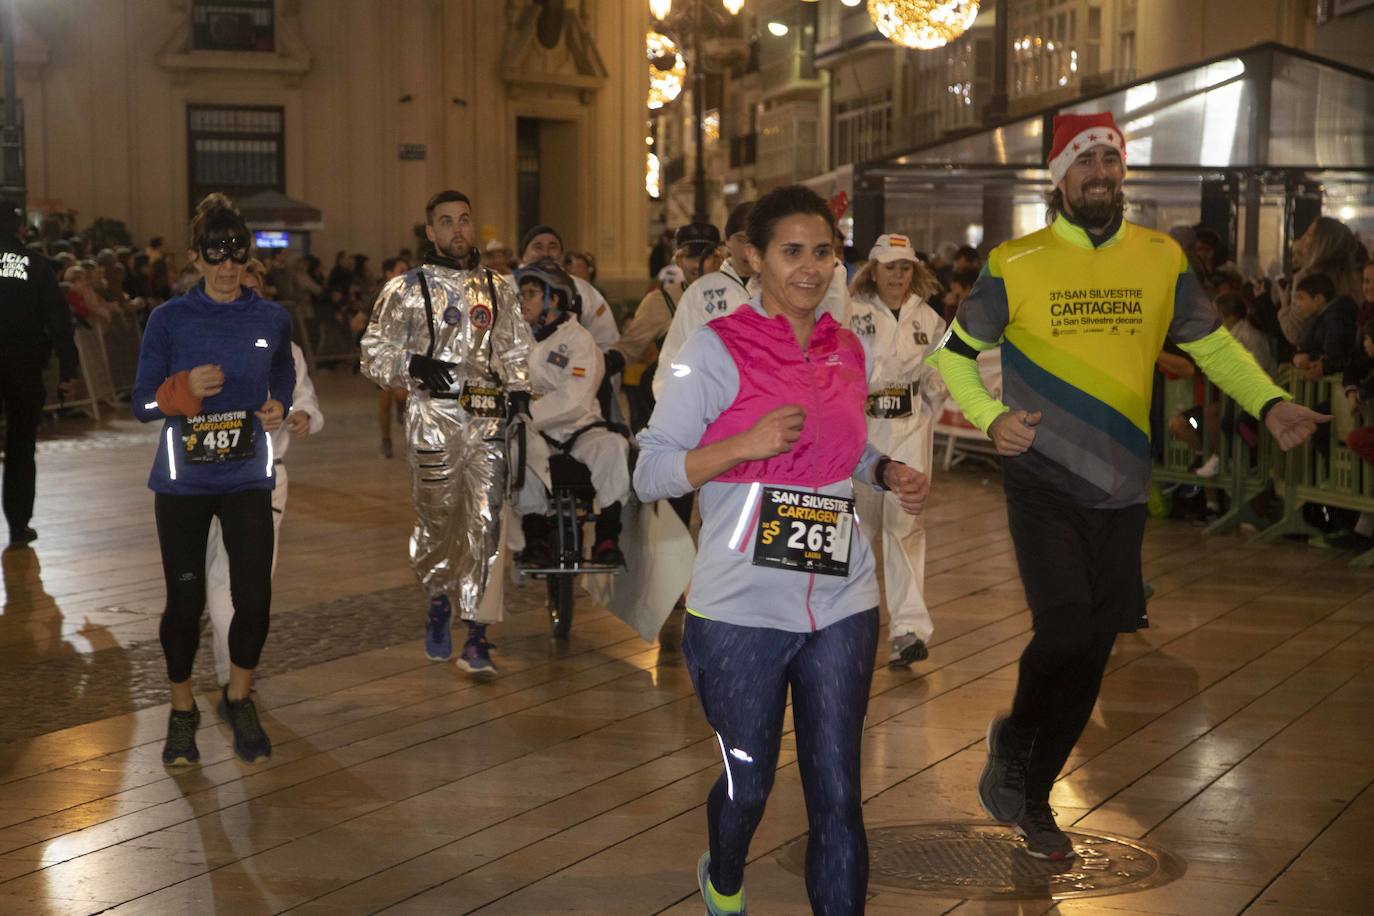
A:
{"points": [[804, 532]]}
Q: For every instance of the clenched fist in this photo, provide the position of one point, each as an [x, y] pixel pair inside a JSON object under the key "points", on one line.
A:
{"points": [[909, 485], [206, 381], [270, 415], [774, 434], [1014, 432]]}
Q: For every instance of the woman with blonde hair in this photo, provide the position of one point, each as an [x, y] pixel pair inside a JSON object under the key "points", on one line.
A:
{"points": [[898, 328], [1327, 247]]}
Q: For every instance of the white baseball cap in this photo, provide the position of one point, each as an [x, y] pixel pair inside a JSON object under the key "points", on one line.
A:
{"points": [[496, 245], [892, 247]]}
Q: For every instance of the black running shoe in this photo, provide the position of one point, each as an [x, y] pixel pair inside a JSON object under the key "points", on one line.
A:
{"points": [[250, 741], [1044, 839], [907, 649], [608, 553], [536, 555], [1002, 787], [180, 747]]}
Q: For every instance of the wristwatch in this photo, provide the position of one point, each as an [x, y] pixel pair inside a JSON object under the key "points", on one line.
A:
{"points": [[879, 471]]}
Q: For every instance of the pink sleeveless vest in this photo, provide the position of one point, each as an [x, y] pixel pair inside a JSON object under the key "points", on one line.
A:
{"points": [[827, 381]]}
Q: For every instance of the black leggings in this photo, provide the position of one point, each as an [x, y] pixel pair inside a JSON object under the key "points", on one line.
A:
{"points": [[1056, 688], [741, 675], [183, 526]]}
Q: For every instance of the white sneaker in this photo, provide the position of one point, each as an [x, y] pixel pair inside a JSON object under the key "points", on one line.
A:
{"points": [[1209, 468]]}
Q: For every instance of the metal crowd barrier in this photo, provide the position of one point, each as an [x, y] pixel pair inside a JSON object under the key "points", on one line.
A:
{"points": [[109, 362], [327, 341], [1322, 472]]}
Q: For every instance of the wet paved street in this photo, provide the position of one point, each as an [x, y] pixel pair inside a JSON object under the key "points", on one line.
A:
{"points": [[1234, 734]]}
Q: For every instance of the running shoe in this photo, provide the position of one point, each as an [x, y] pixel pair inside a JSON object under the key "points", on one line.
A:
{"points": [[250, 741], [1209, 468], [1002, 787], [704, 882], [906, 650], [180, 747], [438, 638], [476, 655], [536, 555], [1044, 839], [608, 553]]}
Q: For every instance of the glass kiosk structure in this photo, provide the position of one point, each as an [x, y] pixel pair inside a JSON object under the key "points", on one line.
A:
{"points": [[1253, 145]]}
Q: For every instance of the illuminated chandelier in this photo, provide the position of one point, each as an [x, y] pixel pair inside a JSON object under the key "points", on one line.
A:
{"points": [[922, 24], [667, 70]]}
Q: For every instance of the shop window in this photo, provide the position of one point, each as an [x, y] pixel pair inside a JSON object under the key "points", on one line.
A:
{"points": [[239, 150], [233, 25]]}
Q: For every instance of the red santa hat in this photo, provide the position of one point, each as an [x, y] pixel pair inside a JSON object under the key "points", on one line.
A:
{"points": [[1076, 133]]}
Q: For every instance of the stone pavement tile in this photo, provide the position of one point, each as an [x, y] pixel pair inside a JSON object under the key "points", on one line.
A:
{"points": [[113, 874], [51, 905], [1187, 896]]}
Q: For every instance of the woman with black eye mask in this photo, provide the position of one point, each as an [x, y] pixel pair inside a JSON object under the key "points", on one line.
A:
{"points": [[216, 368]]}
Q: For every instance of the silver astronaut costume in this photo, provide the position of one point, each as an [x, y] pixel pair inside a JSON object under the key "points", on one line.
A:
{"points": [[457, 455]]}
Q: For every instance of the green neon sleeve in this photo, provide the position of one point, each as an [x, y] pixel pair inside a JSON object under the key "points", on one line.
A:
{"points": [[1231, 367], [965, 384]]}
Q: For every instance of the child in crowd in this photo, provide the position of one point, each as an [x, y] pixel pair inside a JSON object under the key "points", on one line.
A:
{"points": [[1328, 340]]}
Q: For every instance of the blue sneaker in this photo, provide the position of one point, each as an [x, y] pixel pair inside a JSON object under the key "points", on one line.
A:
{"points": [[251, 743], [476, 655], [438, 638], [704, 882]]}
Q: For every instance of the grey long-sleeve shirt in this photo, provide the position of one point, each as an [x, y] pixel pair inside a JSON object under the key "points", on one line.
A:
{"points": [[700, 384]]}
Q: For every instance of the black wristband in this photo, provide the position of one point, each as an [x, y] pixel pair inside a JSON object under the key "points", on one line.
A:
{"points": [[879, 469], [1268, 406]]}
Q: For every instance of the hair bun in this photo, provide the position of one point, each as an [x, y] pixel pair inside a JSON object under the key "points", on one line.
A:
{"points": [[216, 200]]}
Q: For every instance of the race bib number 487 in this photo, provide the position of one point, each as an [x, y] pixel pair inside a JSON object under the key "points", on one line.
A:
{"points": [[210, 438], [804, 532]]}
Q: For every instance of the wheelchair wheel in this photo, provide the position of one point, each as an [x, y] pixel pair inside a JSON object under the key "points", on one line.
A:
{"points": [[560, 605]]}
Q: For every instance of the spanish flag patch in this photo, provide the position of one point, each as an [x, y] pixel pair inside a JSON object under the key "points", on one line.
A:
{"points": [[579, 372]]}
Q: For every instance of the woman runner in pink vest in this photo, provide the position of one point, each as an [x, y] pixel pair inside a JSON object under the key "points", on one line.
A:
{"points": [[763, 411]]}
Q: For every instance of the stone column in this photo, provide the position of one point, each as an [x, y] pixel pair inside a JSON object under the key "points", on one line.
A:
{"points": [[619, 201]]}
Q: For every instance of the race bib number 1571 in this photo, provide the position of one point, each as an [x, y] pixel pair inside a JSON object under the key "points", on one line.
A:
{"points": [[804, 532]]}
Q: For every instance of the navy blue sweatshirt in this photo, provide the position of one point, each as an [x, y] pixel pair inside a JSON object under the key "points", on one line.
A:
{"points": [[1331, 335], [224, 448]]}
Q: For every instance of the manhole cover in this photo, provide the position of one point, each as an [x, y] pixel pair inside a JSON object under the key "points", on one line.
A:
{"points": [[983, 861]]}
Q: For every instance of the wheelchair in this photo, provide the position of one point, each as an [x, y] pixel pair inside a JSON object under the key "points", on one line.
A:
{"points": [[571, 509]]}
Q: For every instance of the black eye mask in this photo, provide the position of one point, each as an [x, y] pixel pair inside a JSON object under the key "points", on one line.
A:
{"points": [[226, 248]]}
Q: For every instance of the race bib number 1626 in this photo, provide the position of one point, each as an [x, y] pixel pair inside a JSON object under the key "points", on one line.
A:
{"points": [[804, 532]]}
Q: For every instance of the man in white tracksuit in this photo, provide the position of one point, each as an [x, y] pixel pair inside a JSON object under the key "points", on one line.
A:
{"points": [[710, 295], [565, 373], [596, 315], [305, 419], [718, 294], [890, 316]]}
